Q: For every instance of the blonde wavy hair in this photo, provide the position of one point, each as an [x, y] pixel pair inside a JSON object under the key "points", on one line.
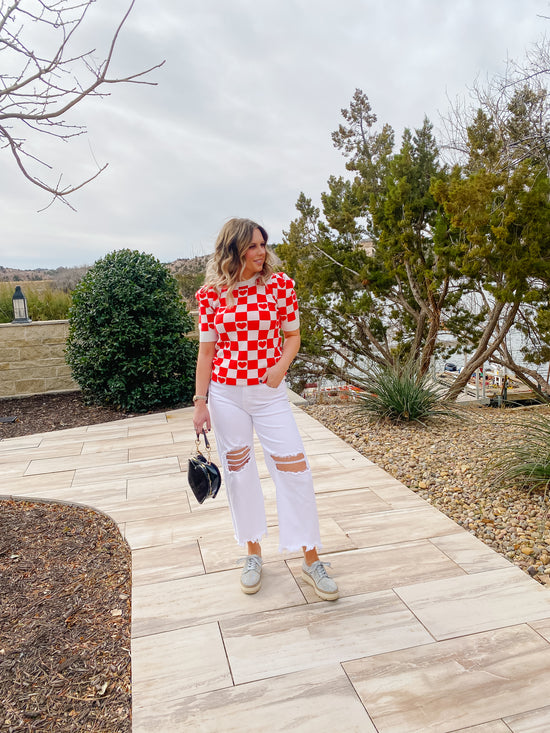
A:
{"points": [[225, 266]]}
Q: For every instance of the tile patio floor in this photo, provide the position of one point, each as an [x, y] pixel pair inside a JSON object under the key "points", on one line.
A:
{"points": [[433, 631]]}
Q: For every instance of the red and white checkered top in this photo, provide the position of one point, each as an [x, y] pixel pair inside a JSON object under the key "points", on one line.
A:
{"points": [[247, 332]]}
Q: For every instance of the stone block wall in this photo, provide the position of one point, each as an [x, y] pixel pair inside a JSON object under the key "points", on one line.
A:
{"points": [[32, 359]]}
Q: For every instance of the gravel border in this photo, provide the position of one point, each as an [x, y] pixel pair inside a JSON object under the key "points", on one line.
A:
{"points": [[448, 463]]}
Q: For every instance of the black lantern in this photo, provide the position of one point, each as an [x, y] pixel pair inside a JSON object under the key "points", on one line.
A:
{"points": [[20, 311]]}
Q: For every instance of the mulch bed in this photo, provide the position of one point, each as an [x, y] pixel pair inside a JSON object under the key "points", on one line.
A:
{"points": [[44, 413], [65, 617], [65, 593]]}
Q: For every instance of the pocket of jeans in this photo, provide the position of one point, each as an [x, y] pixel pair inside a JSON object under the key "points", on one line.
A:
{"points": [[280, 386], [266, 385]]}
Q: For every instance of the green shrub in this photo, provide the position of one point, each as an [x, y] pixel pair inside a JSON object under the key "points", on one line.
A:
{"points": [[526, 461], [127, 345], [400, 394]]}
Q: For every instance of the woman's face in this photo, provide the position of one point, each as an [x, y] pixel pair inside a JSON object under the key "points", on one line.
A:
{"points": [[254, 256]]}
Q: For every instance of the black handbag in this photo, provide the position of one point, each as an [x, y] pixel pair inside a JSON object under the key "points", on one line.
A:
{"points": [[203, 475]]}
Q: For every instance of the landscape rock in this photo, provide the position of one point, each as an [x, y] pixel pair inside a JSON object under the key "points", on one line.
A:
{"points": [[450, 465]]}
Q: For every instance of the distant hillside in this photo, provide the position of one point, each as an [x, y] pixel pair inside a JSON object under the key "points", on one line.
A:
{"points": [[189, 274], [191, 266], [10, 274], [63, 278]]}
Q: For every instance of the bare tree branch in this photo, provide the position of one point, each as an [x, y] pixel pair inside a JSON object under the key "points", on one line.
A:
{"points": [[495, 97], [37, 91]]}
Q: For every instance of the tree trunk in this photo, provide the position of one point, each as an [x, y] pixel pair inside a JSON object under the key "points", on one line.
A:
{"points": [[431, 340], [485, 350], [530, 377]]}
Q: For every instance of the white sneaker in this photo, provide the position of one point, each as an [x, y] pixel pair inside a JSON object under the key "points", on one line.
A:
{"points": [[316, 575], [251, 577]]}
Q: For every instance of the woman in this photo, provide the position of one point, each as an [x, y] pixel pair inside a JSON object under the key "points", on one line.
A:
{"points": [[240, 386]]}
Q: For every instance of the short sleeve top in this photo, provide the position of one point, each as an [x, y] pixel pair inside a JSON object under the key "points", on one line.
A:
{"points": [[247, 332]]}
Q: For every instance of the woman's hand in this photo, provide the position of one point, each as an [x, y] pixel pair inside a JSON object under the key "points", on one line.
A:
{"points": [[201, 417], [274, 375]]}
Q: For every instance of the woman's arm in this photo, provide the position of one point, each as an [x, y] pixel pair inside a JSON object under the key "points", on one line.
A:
{"points": [[291, 345], [201, 414]]}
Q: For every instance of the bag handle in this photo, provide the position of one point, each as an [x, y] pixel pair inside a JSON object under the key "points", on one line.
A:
{"points": [[206, 443]]}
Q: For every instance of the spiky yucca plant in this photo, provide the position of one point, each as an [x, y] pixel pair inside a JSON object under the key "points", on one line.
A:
{"points": [[400, 394]]}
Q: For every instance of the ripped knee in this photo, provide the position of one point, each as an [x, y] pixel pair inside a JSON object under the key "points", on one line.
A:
{"points": [[237, 459], [291, 464]]}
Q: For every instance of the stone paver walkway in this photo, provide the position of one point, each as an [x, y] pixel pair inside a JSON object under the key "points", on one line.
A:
{"points": [[433, 631]]}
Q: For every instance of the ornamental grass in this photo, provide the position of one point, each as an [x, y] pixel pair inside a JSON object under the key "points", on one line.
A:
{"points": [[526, 462]]}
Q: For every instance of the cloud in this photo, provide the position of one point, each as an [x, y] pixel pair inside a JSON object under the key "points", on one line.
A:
{"points": [[240, 120]]}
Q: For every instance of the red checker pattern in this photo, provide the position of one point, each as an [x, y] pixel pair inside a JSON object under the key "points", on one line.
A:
{"points": [[247, 328]]}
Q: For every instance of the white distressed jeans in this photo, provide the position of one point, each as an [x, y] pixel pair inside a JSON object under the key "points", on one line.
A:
{"points": [[236, 412]]}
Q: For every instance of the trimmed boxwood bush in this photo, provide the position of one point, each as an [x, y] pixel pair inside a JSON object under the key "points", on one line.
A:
{"points": [[127, 346]]}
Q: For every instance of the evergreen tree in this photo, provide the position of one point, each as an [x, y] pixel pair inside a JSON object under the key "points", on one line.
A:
{"points": [[500, 202], [374, 274], [405, 246]]}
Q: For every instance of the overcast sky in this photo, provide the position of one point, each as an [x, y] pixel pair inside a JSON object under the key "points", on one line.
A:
{"points": [[241, 118]]}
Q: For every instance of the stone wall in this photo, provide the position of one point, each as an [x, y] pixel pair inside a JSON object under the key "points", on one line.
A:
{"points": [[32, 359]]}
